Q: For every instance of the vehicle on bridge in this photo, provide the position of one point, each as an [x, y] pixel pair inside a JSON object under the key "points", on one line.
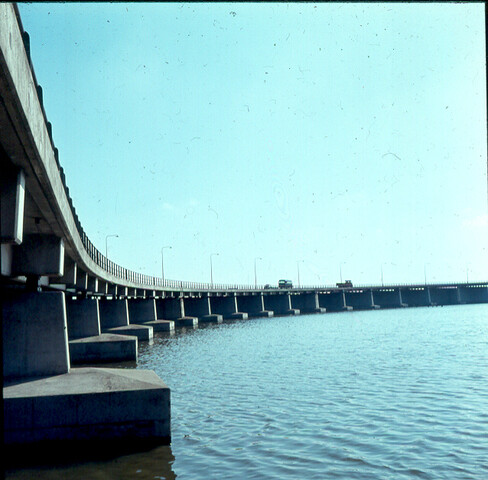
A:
{"points": [[346, 284], [285, 284]]}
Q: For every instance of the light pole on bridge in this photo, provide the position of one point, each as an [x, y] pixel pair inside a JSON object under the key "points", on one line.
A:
{"points": [[211, 269], [255, 275], [106, 243], [298, 271], [162, 261]]}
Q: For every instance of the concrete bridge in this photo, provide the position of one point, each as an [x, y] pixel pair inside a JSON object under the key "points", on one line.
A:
{"points": [[64, 303]]}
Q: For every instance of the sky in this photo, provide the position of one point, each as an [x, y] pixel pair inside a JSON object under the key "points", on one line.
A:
{"points": [[303, 141]]}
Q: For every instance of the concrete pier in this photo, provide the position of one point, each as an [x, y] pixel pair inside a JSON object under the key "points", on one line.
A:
{"points": [[334, 301], [253, 305], [34, 332], [173, 309], [307, 302], [226, 305], [389, 298], [114, 318], [416, 296], [360, 299], [473, 294], [280, 304], [445, 295], [86, 342], [200, 307]]}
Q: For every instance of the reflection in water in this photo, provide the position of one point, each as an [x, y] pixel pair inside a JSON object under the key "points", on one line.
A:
{"points": [[155, 463]]}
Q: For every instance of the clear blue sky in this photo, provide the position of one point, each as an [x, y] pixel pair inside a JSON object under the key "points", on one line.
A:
{"points": [[321, 138]]}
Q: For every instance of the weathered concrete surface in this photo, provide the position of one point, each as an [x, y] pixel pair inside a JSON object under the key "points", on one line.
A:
{"points": [[280, 304], [38, 254], [212, 318], [186, 322], [12, 196], [34, 330], [142, 332], [83, 318], [161, 325], [86, 404], [103, 348], [113, 313], [142, 310]]}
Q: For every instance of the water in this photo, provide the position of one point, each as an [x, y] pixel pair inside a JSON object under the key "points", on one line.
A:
{"points": [[392, 394]]}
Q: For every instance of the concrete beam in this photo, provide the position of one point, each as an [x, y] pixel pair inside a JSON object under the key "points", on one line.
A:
{"points": [[39, 254], [12, 200]]}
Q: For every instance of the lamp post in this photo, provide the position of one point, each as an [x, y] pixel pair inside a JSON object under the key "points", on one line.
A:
{"points": [[162, 261], [106, 243], [298, 271], [340, 271], [255, 276], [382, 283], [211, 269], [425, 272]]}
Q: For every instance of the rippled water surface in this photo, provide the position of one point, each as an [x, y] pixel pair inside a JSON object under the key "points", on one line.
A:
{"points": [[391, 394]]}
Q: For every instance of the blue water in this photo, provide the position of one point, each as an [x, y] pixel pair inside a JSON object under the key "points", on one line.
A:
{"points": [[389, 394]]}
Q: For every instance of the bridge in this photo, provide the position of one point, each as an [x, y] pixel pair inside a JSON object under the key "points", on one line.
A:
{"points": [[65, 304]]}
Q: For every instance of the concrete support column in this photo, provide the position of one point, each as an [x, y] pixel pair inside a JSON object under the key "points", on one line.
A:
{"points": [[253, 305], [416, 296], [114, 318], [307, 302], [83, 318], [360, 299], [227, 307], [444, 295], [34, 331], [143, 311], [334, 301], [173, 308], [87, 343], [200, 307], [473, 294], [388, 298], [280, 304]]}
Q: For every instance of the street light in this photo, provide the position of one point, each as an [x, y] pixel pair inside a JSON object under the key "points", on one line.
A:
{"points": [[382, 283], [211, 270], [298, 271], [162, 261], [340, 270], [255, 276], [425, 272], [106, 243]]}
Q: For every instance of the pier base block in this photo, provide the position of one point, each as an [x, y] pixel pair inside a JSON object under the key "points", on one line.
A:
{"points": [[161, 325], [87, 404], [103, 348], [262, 313], [211, 318], [186, 322], [237, 316], [142, 332]]}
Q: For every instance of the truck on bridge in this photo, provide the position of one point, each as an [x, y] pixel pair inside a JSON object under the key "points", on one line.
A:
{"points": [[285, 284], [346, 284]]}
